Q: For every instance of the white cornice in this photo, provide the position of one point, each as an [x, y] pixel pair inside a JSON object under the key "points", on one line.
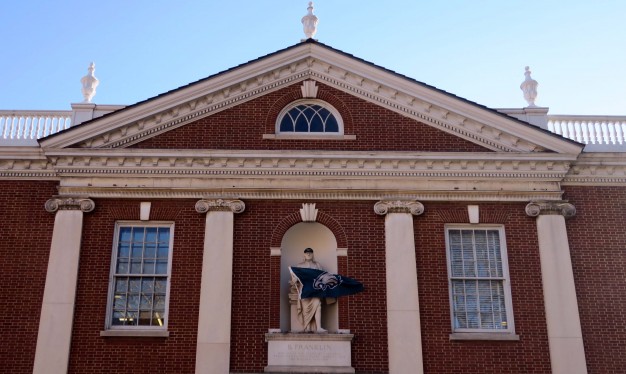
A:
{"points": [[598, 169], [25, 163], [321, 164], [23, 153], [318, 174], [275, 194], [188, 104]]}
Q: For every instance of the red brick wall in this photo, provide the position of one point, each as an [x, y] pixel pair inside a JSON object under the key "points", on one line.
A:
{"points": [[251, 319], [376, 128], [253, 264], [91, 353], [597, 237], [26, 232], [530, 353], [364, 314]]}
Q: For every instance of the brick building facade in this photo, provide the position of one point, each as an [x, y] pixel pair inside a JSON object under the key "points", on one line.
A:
{"points": [[485, 244]]}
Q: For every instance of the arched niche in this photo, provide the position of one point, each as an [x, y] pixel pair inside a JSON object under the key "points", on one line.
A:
{"points": [[296, 239]]}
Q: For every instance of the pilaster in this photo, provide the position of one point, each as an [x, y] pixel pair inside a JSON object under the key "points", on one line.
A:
{"points": [[403, 316], [57, 309], [213, 347], [567, 354]]}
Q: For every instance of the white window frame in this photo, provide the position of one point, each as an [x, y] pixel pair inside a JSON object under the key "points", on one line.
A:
{"points": [[111, 329], [314, 135], [468, 333]]}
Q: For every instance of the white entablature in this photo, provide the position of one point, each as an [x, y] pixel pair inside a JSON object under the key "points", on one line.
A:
{"points": [[305, 61]]}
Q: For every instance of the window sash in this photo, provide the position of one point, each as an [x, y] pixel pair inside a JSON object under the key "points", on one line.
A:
{"points": [[139, 286], [309, 117], [480, 297]]}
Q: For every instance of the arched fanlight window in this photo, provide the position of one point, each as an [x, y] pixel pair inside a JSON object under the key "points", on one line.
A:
{"points": [[309, 117]]}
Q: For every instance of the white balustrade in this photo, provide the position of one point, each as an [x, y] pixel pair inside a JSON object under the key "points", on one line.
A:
{"points": [[32, 124], [600, 133], [609, 131]]}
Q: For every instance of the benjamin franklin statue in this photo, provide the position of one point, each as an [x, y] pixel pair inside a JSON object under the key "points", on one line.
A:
{"points": [[309, 309]]}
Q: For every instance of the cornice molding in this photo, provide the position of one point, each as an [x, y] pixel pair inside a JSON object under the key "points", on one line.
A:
{"points": [[597, 169], [25, 163], [444, 112], [537, 208], [314, 195], [235, 206], [259, 164], [398, 206], [69, 203]]}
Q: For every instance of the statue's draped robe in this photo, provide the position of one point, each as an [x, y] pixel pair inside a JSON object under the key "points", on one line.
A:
{"points": [[308, 307], [306, 312]]}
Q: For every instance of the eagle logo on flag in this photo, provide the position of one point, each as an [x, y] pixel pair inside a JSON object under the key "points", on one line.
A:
{"points": [[327, 281], [322, 284]]}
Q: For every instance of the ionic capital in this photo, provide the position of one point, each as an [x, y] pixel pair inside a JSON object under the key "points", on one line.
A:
{"points": [[399, 206], [537, 208], [70, 203], [235, 206]]}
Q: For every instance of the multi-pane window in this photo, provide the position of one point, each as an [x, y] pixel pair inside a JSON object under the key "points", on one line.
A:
{"points": [[308, 116], [140, 276], [479, 284]]}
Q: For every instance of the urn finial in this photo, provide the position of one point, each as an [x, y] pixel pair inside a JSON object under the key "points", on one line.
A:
{"points": [[529, 87], [309, 22], [89, 82]]}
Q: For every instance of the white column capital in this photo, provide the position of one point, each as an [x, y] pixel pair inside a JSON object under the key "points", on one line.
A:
{"points": [[399, 206], [83, 204], [562, 208], [235, 206]]}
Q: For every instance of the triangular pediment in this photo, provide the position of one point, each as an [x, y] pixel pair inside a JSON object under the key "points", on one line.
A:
{"points": [[311, 61]]}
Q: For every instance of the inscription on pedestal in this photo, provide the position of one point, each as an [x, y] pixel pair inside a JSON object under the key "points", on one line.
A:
{"points": [[309, 353], [320, 351]]}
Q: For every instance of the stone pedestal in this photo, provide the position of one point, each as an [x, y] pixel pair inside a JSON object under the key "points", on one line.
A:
{"points": [[309, 353]]}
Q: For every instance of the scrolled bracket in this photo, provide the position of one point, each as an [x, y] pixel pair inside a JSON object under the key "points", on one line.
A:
{"points": [[398, 206], [235, 206], [83, 204], [537, 208]]}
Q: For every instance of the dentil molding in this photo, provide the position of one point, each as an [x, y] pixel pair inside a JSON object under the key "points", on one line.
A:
{"points": [[314, 194]]}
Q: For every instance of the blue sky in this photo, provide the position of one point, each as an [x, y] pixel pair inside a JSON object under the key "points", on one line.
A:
{"points": [[474, 49]]}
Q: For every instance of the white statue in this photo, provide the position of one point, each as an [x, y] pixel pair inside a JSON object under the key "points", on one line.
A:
{"points": [[529, 87], [309, 309], [309, 22], [89, 83]]}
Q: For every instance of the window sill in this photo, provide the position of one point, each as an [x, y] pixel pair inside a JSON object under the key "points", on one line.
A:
{"points": [[484, 336], [309, 137], [136, 333]]}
